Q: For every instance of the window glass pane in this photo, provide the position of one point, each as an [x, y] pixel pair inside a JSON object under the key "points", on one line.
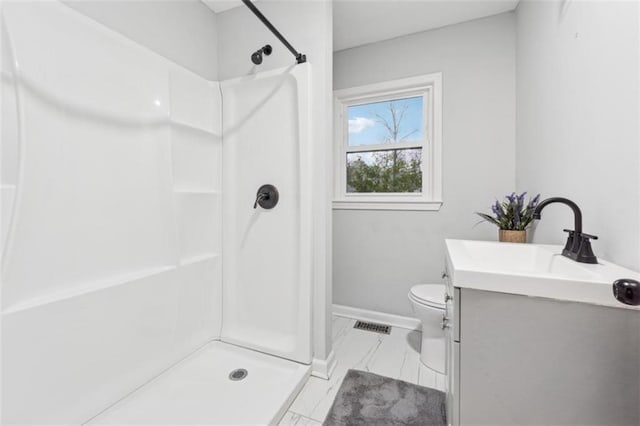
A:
{"points": [[395, 170], [398, 120]]}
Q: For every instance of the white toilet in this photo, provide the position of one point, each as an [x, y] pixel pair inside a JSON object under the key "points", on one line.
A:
{"points": [[428, 305]]}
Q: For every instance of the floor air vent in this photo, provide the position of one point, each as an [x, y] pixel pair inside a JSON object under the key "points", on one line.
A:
{"points": [[372, 326]]}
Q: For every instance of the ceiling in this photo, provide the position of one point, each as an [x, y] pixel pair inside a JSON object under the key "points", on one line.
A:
{"points": [[358, 22], [222, 5]]}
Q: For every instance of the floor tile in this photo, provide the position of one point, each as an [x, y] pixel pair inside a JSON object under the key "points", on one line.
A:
{"points": [[316, 397], [427, 377], [305, 421], [394, 355], [295, 419], [289, 419], [341, 327], [441, 382]]}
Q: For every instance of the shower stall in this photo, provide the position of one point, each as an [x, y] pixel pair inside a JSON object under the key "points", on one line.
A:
{"points": [[267, 259], [143, 281]]}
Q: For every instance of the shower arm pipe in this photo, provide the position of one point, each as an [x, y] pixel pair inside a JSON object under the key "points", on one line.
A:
{"points": [[300, 58]]}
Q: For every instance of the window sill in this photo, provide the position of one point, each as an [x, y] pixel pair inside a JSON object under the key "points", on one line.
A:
{"points": [[387, 205]]}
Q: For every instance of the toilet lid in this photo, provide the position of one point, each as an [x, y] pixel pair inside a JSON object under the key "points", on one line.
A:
{"points": [[429, 294]]}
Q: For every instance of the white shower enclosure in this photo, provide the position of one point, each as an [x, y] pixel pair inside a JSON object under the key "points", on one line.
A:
{"points": [[267, 253], [129, 237]]}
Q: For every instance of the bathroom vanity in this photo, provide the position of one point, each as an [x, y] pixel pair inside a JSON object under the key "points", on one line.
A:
{"points": [[536, 338]]}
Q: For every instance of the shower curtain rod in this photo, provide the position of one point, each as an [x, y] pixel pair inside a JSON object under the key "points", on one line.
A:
{"points": [[300, 58]]}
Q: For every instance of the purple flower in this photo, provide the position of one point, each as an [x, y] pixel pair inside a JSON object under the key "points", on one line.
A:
{"points": [[521, 199], [534, 202], [512, 213]]}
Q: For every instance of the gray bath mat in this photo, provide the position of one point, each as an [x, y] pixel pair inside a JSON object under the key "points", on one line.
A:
{"points": [[368, 399]]}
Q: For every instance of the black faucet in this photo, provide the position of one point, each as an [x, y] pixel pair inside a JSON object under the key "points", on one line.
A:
{"points": [[578, 246]]}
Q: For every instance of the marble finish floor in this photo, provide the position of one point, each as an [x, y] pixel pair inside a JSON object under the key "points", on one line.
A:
{"points": [[394, 355]]}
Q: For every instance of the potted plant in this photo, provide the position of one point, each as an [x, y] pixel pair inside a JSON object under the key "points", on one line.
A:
{"points": [[512, 217]]}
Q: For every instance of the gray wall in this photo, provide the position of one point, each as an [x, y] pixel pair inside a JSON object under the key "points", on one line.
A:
{"points": [[240, 34], [183, 31], [379, 255], [578, 116]]}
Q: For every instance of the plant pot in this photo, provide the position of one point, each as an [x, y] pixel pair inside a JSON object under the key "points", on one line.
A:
{"points": [[507, 236]]}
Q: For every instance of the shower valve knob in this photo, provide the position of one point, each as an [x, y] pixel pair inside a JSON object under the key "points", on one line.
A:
{"points": [[267, 197]]}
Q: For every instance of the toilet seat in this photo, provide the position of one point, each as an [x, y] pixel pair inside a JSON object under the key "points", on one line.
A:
{"points": [[431, 295]]}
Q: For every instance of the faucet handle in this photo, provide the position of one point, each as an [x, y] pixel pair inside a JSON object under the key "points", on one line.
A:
{"points": [[584, 253], [568, 246], [578, 247], [592, 237], [582, 234], [260, 197]]}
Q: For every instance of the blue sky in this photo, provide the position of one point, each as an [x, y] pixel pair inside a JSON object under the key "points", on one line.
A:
{"points": [[364, 128]]}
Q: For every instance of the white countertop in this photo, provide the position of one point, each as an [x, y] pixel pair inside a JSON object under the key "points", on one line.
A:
{"points": [[533, 270]]}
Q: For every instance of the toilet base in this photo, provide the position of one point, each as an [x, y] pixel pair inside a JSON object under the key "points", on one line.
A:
{"points": [[432, 353]]}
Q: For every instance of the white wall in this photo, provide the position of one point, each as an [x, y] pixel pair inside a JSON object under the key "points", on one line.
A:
{"points": [[218, 47], [578, 117], [128, 307], [111, 222], [308, 26], [183, 31], [379, 255], [267, 298]]}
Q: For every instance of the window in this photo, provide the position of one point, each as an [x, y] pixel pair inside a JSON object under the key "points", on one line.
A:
{"points": [[388, 145]]}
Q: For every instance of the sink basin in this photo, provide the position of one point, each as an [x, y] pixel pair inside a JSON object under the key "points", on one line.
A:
{"points": [[532, 270]]}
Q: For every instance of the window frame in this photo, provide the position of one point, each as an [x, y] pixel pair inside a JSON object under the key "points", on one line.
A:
{"points": [[428, 86]]}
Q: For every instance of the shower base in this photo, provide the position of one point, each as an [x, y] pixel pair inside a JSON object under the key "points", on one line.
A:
{"points": [[200, 390]]}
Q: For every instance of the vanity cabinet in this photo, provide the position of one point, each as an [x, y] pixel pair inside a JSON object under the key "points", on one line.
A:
{"points": [[451, 324], [514, 359]]}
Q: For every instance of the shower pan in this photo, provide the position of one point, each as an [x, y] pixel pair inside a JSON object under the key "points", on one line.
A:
{"points": [[136, 273]]}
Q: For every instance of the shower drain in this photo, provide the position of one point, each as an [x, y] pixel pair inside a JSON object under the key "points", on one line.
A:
{"points": [[238, 374]]}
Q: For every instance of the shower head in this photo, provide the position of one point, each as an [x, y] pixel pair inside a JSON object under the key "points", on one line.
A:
{"points": [[256, 57]]}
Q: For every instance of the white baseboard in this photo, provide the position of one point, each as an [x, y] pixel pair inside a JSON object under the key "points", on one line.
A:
{"points": [[379, 317], [323, 368]]}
